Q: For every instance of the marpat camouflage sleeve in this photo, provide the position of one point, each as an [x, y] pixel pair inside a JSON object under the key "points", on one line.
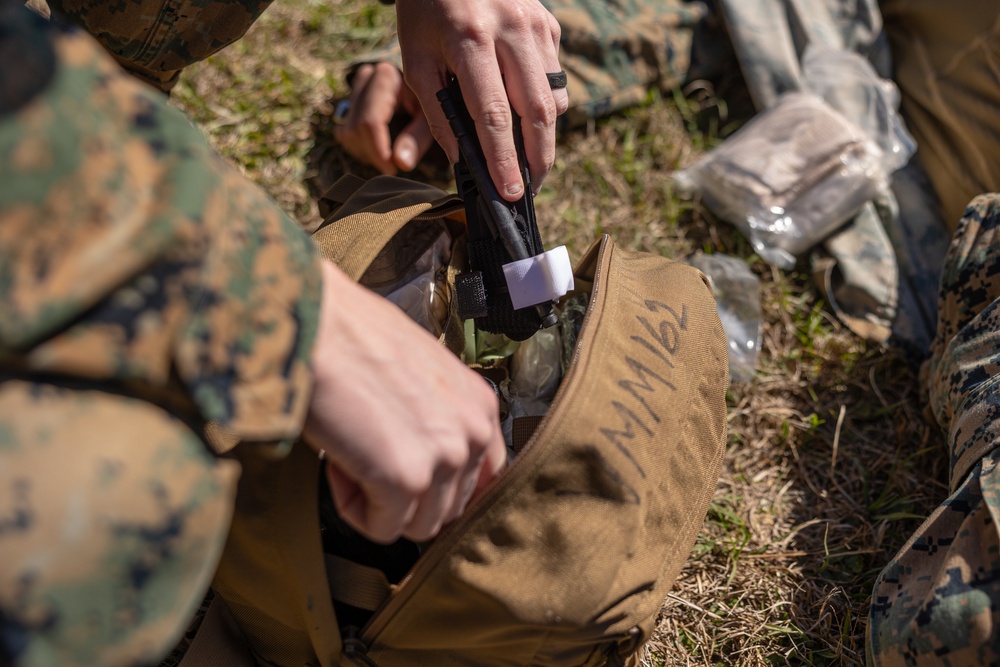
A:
{"points": [[153, 302], [130, 254], [156, 39]]}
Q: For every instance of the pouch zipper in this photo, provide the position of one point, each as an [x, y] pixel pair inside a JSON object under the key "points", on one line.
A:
{"points": [[433, 555]]}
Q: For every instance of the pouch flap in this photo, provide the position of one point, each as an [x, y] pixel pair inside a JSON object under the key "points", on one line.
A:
{"points": [[373, 213]]}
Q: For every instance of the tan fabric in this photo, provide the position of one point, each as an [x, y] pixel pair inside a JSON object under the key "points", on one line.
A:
{"points": [[218, 642], [372, 216], [355, 584], [567, 558], [947, 65]]}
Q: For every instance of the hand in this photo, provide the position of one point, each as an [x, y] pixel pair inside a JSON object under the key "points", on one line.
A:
{"points": [[409, 433], [377, 94], [500, 51]]}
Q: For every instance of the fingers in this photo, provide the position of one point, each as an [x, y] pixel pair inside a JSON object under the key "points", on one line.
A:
{"points": [[459, 479], [534, 102], [484, 45], [494, 463], [425, 78], [560, 95], [412, 143], [486, 98], [375, 98], [381, 516], [532, 97], [389, 511], [412, 492]]}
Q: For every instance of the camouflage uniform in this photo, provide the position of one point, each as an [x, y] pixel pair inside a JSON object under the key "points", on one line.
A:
{"points": [[938, 601], [156, 40], [155, 308]]}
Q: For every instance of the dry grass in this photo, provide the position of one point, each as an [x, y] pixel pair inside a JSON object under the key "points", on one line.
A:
{"points": [[829, 457]]}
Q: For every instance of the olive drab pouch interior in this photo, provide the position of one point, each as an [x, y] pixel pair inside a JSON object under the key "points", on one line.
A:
{"points": [[616, 432]]}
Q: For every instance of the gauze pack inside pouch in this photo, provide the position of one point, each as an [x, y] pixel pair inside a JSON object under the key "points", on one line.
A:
{"points": [[789, 177]]}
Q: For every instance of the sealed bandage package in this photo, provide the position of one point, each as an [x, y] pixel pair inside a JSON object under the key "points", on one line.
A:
{"points": [[790, 177]]}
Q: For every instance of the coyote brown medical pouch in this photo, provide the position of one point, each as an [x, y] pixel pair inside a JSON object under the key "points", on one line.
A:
{"points": [[566, 559]]}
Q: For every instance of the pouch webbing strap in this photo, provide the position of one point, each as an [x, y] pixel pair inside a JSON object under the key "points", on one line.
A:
{"points": [[341, 190], [355, 584], [218, 641]]}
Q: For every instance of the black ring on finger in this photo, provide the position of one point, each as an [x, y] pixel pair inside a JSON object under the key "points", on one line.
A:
{"points": [[557, 80]]}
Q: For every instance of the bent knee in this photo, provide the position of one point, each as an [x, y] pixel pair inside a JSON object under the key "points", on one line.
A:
{"points": [[113, 514]]}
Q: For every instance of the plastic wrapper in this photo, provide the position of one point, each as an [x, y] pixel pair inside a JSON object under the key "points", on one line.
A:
{"points": [[789, 177], [535, 369], [484, 348], [848, 83], [535, 374], [422, 292], [737, 297]]}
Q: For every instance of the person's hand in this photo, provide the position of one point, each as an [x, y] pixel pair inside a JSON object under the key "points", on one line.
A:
{"points": [[499, 50], [377, 94], [410, 434]]}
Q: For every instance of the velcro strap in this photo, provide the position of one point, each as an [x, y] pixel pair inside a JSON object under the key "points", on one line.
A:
{"points": [[471, 295], [341, 190], [355, 584], [538, 279]]}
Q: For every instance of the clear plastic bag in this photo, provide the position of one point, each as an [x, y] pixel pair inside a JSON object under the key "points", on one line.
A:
{"points": [[789, 177], [422, 293], [848, 83], [737, 297], [535, 369]]}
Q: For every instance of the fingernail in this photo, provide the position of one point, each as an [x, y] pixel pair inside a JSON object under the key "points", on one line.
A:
{"points": [[515, 189], [406, 157]]}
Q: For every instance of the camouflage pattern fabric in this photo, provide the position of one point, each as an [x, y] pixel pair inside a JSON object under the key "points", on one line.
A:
{"points": [[108, 536], [615, 52], [156, 39], [938, 600], [152, 302]]}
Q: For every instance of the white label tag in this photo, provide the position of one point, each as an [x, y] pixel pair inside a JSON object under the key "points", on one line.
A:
{"points": [[538, 279]]}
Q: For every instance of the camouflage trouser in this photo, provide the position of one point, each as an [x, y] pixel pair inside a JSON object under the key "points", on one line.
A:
{"points": [[938, 601], [113, 516]]}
